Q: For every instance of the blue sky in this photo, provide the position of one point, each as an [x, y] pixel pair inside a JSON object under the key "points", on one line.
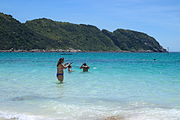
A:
{"points": [[157, 18]]}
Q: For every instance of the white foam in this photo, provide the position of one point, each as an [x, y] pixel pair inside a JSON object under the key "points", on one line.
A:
{"points": [[152, 114], [76, 112], [94, 68], [19, 116], [91, 112]]}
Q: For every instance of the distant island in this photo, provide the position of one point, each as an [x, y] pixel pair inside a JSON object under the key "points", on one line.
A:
{"points": [[48, 35]]}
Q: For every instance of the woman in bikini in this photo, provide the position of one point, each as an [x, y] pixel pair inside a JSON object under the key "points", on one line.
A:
{"points": [[60, 68]]}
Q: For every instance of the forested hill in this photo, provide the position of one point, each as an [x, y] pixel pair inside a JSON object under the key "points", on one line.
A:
{"points": [[48, 34], [15, 35]]}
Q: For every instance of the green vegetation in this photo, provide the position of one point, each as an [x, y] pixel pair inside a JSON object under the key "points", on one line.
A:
{"points": [[84, 37], [14, 35], [48, 34], [133, 41]]}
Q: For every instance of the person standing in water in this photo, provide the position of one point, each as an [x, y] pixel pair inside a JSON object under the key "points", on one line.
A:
{"points": [[85, 67], [60, 69]]}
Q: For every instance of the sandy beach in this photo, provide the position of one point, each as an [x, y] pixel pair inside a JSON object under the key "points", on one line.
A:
{"points": [[6, 119], [114, 118], [108, 118]]}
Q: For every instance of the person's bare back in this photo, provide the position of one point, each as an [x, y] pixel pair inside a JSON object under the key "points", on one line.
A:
{"points": [[85, 67]]}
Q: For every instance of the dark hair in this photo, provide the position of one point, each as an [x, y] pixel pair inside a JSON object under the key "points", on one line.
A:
{"points": [[60, 61], [84, 64], [69, 66]]}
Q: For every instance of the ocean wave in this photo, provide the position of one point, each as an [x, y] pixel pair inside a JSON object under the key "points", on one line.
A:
{"points": [[96, 112], [73, 112]]}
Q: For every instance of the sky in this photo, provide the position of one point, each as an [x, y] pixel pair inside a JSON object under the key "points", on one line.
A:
{"points": [[157, 18]]}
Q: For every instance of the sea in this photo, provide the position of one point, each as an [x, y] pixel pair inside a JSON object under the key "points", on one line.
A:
{"points": [[126, 86]]}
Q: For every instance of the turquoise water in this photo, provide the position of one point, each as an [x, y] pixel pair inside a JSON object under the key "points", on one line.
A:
{"points": [[130, 85]]}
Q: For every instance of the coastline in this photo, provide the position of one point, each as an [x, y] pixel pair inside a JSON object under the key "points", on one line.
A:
{"points": [[108, 118], [79, 51]]}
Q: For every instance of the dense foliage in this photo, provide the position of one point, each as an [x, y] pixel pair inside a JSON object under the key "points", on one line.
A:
{"points": [[84, 37], [14, 35], [47, 34], [133, 41]]}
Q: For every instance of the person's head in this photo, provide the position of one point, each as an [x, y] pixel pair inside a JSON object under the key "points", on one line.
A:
{"points": [[84, 64], [61, 60], [69, 66]]}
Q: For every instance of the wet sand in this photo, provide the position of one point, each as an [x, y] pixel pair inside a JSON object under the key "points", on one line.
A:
{"points": [[114, 118], [7, 119], [3, 119], [108, 118]]}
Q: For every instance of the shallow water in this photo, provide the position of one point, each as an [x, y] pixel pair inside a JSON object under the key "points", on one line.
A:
{"points": [[133, 86]]}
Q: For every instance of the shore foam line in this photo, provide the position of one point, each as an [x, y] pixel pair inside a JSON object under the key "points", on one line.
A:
{"points": [[136, 114], [18, 116]]}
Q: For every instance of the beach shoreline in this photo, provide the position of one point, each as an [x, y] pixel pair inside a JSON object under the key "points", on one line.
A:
{"points": [[114, 118], [80, 51], [106, 118]]}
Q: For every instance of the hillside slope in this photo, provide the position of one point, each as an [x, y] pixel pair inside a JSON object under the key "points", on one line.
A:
{"points": [[48, 34], [15, 35], [84, 37]]}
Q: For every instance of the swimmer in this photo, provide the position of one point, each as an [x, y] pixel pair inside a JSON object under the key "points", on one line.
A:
{"points": [[70, 68], [85, 67]]}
